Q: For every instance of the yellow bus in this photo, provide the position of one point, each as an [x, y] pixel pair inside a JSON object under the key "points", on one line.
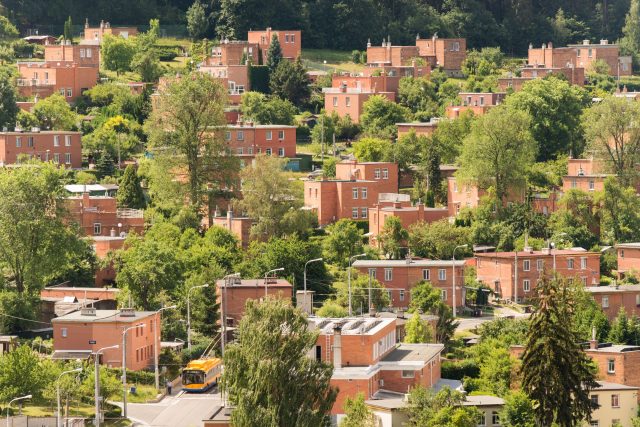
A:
{"points": [[202, 374]]}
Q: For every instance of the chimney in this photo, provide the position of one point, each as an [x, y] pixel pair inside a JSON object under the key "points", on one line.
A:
{"points": [[102, 24], [585, 42], [593, 343], [604, 42], [550, 45], [530, 46], [368, 42], [127, 312], [112, 233], [86, 22], [418, 36], [544, 45], [337, 347], [229, 218]]}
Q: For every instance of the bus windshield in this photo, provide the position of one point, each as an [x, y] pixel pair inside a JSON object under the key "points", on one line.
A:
{"points": [[192, 377]]}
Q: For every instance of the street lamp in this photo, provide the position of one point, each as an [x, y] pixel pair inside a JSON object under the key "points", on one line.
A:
{"points": [[58, 419], [552, 246], [28, 396], [453, 268], [156, 338], [206, 285], [124, 367], [223, 322], [305, 278], [97, 381], [349, 286], [267, 275]]}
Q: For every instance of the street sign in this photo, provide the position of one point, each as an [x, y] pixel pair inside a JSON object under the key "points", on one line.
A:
{"points": [[92, 341]]}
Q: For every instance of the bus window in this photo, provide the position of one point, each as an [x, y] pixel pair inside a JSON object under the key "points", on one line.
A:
{"points": [[192, 377]]}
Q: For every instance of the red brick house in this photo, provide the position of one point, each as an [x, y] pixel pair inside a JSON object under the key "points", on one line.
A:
{"points": [[354, 190], [479, 103], [367, 360], [83, 55], [234, 53], [399, 277], [290, 42], [420, 128], [499, 270], [247, 140], [448, 54], [388, 55], [95, 34], [238, 226], [43, 79], [100, 216], [628, 258], [574, 75], [234, 77], [59, 147], [584, 174], [612, 298], [349, 93]]}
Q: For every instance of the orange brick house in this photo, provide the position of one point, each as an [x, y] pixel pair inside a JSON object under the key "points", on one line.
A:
{"points": [[479, 103], [234, 293], [584, 174], [247, 140], [234, 77], [59, 147], [386, 54], [448, 54], [234, 53], [574, 75], [628, 258], [238, 226], [349, 93], [399, 206], [420, 128], [83, 55], [354, 190], [290, 42], [499, 270], [46, 78], [78, 334], [366, 358], [100, 216], [469, 195], [612, 298], [95, 34], [399, 277]]}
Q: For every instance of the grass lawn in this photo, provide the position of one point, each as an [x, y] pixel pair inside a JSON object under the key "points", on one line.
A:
{"points": [[144, 393], [314, 59], [75, 410]]}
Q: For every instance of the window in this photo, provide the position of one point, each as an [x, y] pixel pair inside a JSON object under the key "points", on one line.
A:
{"points": [[605, 302], [455, 187], [426, 275], [67, 158], [540, 264], [495, 418], [376, 174], [89, 53], [442, 274], [227, 136], [281, 152], [595, 423], [583, 263], [443, 294], [267, 151], [385, 173], [526, 285], [364, 192], [64, 332], [293, 38], [592, 185], [574, 183], [250, 151], [354, 192], [570, 263], [615, 401], [67, 140], [621, 253], [401, 294], [56, 140], [578, 53], [590, 52], [286, 38], [269, 135], [56, 157], [335, 101], [611, 366], [61, 90], [364, 213], [482, 420], [482, 100], [407, 373], [354, 213], [388, 274], [82, 53], [29, 141], [240, 150], [240, 135], [584, 281], [526, 265], [18, 141], [280, 134], [97, 229], [347, 101], [69, 93], [594, 400], [372, 273], [455, 46]]}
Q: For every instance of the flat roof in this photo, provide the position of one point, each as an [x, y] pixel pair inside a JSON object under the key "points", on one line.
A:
{"points": [[605, 385], [413, 353], [82, 188], [409, 208], [614, 348], [256, 126], [523, 254], [254, 283], [103, 316], [85, 288], [609, 289], [350, 325], [482, 400], [45, 132], [419, 124], [407, 263], [631, 245]]}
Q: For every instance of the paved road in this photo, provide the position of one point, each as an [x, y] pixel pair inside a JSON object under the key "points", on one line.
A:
{"points": [[180, 410], [469, 323]]}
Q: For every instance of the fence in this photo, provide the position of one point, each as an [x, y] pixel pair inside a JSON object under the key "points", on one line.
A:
{"points": [[26, 421]]}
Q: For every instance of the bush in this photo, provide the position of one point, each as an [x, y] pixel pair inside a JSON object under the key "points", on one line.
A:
{"points": [[459, 369], [167, 53], [259, 78], [138, 377]]}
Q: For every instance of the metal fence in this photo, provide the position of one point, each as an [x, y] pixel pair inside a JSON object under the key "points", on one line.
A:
{"points": [[26, 421]]}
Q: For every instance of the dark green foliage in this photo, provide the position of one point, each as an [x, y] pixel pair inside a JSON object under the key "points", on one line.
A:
{"points": [[105, 165], [68, 30], [196, 20], [130, 194], [259, 78], [290, 81], [8, 107], [458, 370], [274, 55]]}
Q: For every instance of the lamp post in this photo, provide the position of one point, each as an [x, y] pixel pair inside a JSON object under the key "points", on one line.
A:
{"points": [[223, 322], [28, 396], [305, 278], [453, 269], [59, 418], [124, 367], [206, 285], [97, 382], [267, 275], [156, 338], [552, 246], [349, 275]]}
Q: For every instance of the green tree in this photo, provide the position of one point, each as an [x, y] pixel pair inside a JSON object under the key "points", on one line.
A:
{"points": [[450, 134], [117, 53], [436, 240], [266, 110], [417, 330], [274, 55], [357, 414], [366, 293], [330, 308], [21, 373], [8, 31], [54, 113], [612, 134], [147, 64], [34, 236], [556, 373], [393, 237], [289, 81], [105, 165], [68, 30], [420, 96], [373, 150], [630, 41], [427, 408], [380, 115], [578, 218], [555, 108], [268, 377], [8, 107], [130, 194], [517, 411], [588, 315], [498, 151], [344, 240], [620, 220], [197, 21], [183, 126]]}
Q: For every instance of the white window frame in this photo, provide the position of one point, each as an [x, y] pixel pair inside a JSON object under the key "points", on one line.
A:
{"points": [[570, 263], [583, 263], [64, 332], [401, 294], [30, 141], [281, 152], [335, 101], [540, 264], [240, 135], [605, 301], [426, 274], [385, 173], [388, 274], [354, 213], [363, 193], [526, 285], [280, 135], [56, 140], [364, 213], [616, 398], [443, 294], [268, 151], [442, 274], [269, 135], [97, 228], [376, 174], [67, 140], [18, 141], [408, 373], [67, 158], [372, 273], [56, 157], [526, 265], [611, 366], [354, 193]]}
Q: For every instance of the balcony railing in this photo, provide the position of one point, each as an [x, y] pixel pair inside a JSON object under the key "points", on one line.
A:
{"points": [[129, 213], [34, 82]]}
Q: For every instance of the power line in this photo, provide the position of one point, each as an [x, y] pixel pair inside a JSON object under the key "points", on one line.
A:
{"points": [[28, 320]]}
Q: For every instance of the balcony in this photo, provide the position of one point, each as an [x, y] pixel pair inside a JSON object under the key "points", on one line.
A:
{"points": [[34, 83], [129, 213]]}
